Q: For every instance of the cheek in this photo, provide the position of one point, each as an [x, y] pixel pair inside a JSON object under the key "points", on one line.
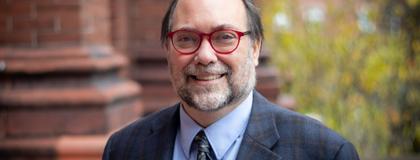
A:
{"points": [[236, 61], [178, 62]]}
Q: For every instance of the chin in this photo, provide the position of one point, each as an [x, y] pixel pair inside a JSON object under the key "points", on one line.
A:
{"points": [[206, 99]]}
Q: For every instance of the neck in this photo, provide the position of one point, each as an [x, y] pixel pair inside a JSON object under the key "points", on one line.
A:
{"points": [[206, 118]]}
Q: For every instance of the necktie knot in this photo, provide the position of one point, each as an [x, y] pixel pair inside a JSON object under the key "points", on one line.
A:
{"points": [[203, 146]]}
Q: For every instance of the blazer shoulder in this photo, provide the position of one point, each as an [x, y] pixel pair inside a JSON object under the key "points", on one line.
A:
{"points": [[312, 137], [291, 123], [137, 131], [309, 136], [144, 126]]}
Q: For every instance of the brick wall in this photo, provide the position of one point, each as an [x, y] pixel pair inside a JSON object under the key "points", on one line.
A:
{"points": [[62, 87], [40, 23], [148, 65]]}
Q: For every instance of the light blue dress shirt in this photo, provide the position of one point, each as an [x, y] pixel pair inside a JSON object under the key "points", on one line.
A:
{"points": [[225, 135]]}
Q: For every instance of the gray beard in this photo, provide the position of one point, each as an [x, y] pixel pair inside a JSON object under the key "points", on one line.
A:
{"points": [[214, 98]]}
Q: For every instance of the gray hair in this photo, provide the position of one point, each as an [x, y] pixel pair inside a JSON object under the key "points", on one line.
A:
{"points": [[253, 18]]}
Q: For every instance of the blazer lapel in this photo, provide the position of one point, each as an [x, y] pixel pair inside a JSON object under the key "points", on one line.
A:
{"points": [[261, 133], [162, 140]]}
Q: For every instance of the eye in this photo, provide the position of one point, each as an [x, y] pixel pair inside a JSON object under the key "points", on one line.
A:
{"points": [[224, 37], [185, 38], [227, 36]]}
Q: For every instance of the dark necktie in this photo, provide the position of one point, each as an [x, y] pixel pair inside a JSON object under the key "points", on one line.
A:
{"points": [[204, 151]]}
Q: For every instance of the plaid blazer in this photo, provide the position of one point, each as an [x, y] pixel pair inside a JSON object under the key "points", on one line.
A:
{"points": [[272, 133]]}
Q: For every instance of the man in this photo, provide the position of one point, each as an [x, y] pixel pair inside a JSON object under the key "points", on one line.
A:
{"points": [[212, 51]]}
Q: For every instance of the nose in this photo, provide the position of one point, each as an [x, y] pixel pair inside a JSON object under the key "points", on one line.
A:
{"points": [[205, 54]]}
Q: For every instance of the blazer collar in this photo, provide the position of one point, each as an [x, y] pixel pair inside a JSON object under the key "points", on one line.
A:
{"points": [[261, 133]]}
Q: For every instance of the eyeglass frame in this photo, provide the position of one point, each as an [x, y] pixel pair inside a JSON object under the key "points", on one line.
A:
{"points": [[208, 35]]}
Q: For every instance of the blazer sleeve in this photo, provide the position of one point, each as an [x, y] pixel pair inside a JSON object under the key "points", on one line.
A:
{"points": [[347, 152]]}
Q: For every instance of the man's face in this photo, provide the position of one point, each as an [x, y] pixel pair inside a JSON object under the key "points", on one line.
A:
{"points": [[207, 80]]}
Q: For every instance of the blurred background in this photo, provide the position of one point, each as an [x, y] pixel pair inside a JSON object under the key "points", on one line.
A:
{"points": [[354, 65], [74, 71]]}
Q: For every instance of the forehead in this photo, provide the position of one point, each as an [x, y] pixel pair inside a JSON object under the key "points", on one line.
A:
{"points": [[205, 15]]}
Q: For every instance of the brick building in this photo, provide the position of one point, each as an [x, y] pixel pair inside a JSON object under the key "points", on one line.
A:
{"points": [[74, 71]]}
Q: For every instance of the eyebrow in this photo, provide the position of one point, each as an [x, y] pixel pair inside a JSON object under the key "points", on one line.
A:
{"points": [[224, 26], [219, 27]]}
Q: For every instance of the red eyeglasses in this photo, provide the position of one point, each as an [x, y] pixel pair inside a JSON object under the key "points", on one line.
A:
{"points": [[222, 41]]}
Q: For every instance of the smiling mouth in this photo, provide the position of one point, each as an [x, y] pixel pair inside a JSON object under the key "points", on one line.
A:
{"points": [[207, 77]]}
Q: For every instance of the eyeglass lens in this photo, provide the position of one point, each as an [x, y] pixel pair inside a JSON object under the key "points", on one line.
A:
{"points": [[221, 41]]}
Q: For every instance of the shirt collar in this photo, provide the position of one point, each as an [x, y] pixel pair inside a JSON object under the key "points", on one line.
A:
{"points": [[220, 138]]}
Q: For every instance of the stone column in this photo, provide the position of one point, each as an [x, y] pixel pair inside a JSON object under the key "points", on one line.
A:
{"points": [[62, 89]]}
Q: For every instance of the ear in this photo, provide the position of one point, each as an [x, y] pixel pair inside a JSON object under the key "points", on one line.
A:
{"points": [[256, 50]]}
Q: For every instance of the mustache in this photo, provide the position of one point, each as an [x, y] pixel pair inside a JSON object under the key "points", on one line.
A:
{"points": [[212, 68]]}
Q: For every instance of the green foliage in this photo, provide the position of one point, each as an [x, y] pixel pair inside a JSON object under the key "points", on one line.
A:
{"points": [[349, 75]]}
